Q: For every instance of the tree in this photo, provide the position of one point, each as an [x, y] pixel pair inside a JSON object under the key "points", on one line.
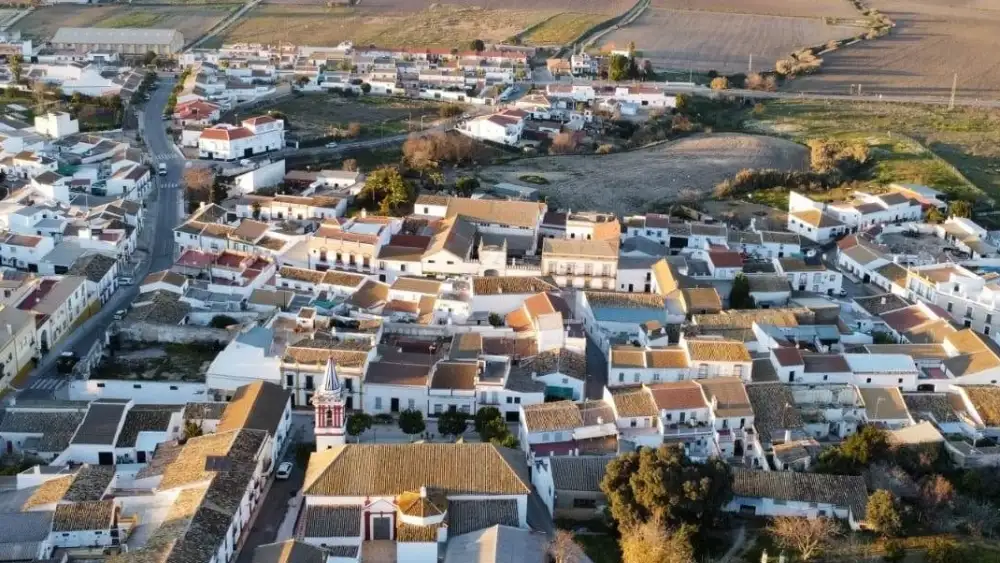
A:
{"points": [[428, 150], [979, 517], [302, 81], [960, 208], [618, 68], [353, 129], [808, 537], [148, 58], [192, 429], [477, 45], [411, 421], [943, 550], [647, 70], [366, 87], [483, 416], [222, 321], [719, 83], [358, 423], [864, 447], [934, 215], [936, 492], [882, 514], [349, 165], [386, 188], [495, 319], [664, 484], [650, 542], [465, 186], [739, 297], [508, 441], [452, 423], [76, 99], [494, 429], [564, 143], [198, 182], [894, 552], [255, 210], [631, 49], [563, 548], [16, 64], [451, 110]]}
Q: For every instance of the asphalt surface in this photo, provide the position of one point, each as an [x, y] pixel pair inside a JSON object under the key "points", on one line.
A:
{"points": [[162, 215]]}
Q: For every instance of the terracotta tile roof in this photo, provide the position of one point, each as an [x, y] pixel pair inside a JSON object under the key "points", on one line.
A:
{"points": [[257, 406], [390, 469], [288, 551], [454, 375], [736, 318], [703, 300], [633, 402], [986, 400], [937, 405], [847, 491], [894, 273], [768, 283], [370, 295], [580, 248], [142, 418], [881, 304], [226, 133], [407, 533], [677, 395], [763, 371], [788, 356], [774, 410], [825, 363], [731, 396], [513, 213], [512, 284], [88, 484], [624, 300], [557, 415], [816, 218], [671, 357], [977, 353], [564, 361], [717, 350], [417, 285], [883, 403], [466, 516], [338, 521], [83, 516], [387, 373], [578, 473], [725, 259]]}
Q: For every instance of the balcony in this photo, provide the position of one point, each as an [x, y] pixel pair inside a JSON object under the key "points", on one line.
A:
{"points": [[675, 430]]}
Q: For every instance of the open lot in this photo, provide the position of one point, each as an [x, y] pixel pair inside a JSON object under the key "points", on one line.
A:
{"points": [[932, 40], [800, 8], [629, 182], [561, 28], [911, 143], [702, 41], [191, 21], [313, 116]]}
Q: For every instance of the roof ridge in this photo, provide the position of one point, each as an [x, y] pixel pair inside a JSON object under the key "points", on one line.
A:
{"points": [[496, 450]]}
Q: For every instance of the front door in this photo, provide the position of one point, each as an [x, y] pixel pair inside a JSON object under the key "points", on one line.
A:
{"points": [[349, 404], [106, 458], [394, 405], [381, 528]]}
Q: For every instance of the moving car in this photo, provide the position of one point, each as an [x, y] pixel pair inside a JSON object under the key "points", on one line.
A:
{"points": [[162, 169], [66, 362], [331, 145], [284, 471]]}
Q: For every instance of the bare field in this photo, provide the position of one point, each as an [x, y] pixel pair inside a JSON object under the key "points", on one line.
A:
{"points": [[629, 182], [313, 115], [410, 6], [702, 41], [799, 8], [444, 27], [191, 21], [932, 40], [561, 28]]}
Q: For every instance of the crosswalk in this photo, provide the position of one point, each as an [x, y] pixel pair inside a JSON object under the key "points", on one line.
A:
{"points": [[164, 157], [168, 185], [47, 383]]}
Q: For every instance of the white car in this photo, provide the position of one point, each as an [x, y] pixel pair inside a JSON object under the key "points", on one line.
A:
{"points": [[331, 145], [284, 471]]}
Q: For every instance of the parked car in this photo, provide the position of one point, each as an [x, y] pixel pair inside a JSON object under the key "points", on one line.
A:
{"points": [[842, 293], [120, 314], [162, 169], [284, 471], [66, 362], [126, 280], [331, 145]]}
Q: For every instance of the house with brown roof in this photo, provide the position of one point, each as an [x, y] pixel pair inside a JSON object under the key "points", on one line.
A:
{"points": [[807, 495], [255, 135], [503, 294], [810, 274], [581, 263], [570, 486], [631, 365], [568, 428], [410, 497], [821, 221], [717, 357]]}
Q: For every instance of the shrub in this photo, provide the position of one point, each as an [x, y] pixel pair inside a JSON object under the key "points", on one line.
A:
{"points": [[533, 179], [564, 143], [222, 321], [720, 83], [451, 110], [605, 149]]}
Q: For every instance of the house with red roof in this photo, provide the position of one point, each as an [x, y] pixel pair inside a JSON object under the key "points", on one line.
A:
{"points": [[198, 112], [255, 135]]}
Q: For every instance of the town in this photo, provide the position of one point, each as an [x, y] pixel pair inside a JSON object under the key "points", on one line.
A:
{"points": [[280, 303]]}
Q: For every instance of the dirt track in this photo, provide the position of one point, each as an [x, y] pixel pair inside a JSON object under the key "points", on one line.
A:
{"points": [[627, 183]]}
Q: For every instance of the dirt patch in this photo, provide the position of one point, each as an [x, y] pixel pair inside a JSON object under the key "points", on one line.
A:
{"points": [[313, 116], [702, 41], [409, 6], [932, 40], [800, 8], [627, 183], [191, 21]]}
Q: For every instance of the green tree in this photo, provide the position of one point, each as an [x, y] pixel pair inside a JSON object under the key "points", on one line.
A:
{"points": [[255, 210], [495, 319], [465, 186], [894, 552], [222, 321], [934, 215], [16, 64], [882, 514], [387, 189], [148, 58], [739, 297], [649, 542], [868, 445], [477, 45], [452, 423], [507, 441], [494, 429], [411, 421], [960, 208], [631, 49], [358, 423], [483, 417], [943, 550], [366, 87], [665, 485], [192, 429], [618, 68]]}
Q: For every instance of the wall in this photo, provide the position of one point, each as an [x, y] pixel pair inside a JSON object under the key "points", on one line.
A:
{"points": [[179, 334], [142, 392], [267, 175]]}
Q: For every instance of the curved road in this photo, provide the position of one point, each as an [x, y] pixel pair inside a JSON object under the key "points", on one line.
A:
{"points": [[155, 244]]}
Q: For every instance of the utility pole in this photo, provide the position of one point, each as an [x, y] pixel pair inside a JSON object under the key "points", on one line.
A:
{"points": [[750, 65], [954, 86]]}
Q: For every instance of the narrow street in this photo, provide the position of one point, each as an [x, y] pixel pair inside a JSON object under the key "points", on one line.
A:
{"points": [[155, 250]]}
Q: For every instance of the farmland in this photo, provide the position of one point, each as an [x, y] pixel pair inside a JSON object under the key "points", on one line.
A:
{"points": [[796, 8], [191, 21], [561, 28], [702, 41], [931, 41], [629, 182], [442, 26], [314, 116]]}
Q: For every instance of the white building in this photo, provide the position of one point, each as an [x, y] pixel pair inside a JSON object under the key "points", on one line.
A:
{"points": [[256, 135], [57, 124]]}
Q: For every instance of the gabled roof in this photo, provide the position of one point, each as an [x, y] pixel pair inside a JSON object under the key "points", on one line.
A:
{"points": [[257, 406], [390, 469], [817, 218], [847, 491], [579, 473], [289, 551]]}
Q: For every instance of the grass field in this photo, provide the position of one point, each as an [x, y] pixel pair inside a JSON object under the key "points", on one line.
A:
{"points": [[191, 21], [931, 41], [561, 28], [628, 183], [444, 26], [968, 139], [312, 116]]}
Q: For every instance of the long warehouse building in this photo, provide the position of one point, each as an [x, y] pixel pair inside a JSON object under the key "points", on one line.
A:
{"points": [[125, 40]]}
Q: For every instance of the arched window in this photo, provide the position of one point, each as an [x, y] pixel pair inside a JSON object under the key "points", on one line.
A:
{"points": [[328, 417]]}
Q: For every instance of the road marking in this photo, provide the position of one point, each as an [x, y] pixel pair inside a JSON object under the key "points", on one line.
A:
{"points": [[47, 383]]}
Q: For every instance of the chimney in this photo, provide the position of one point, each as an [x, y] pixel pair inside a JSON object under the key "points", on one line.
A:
{"points": [[364, 213], [788, 436], [884, 300], [423, 492]]}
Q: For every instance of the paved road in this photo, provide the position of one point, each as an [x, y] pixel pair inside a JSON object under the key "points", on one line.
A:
{"points": [[272, 511], [161, 218]]}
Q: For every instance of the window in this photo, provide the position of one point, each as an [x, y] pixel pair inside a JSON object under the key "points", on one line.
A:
{"points": [[635, 378], [738, 371], [510, 400], [670, 416], [989, 318], [411, 404], [703, 370], [378, 403], [517, 400], [950, 306], [584, 503], [173, 387], [290, 380], [545, 437], [986, 330], [438, 409], [100, 385], [621, 377], [137, 386], [656, 377], [869, 380]]}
